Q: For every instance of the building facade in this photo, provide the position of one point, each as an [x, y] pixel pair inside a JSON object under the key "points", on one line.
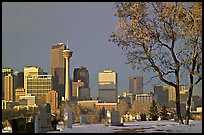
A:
{"points": [[5, 72], [108, 87], [19, 92], [81, 74], [136, 84], [28, 100], [8, 88], [39, 85], [167, 94], [52, 98], [58, 68], [75, 86], [83, 93], [29, 71], [143, 102], [18, 80]]}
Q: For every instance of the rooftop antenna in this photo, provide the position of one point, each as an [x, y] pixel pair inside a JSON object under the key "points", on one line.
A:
{"points": [[67, 45]]}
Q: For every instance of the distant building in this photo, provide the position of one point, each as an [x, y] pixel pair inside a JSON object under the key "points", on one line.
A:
{"points": [[58, 68], [83, 93], [39, 85], [18, 80], [5, 72], [143, 102], [37, 82], [75, 86], [167, 94], [19, 92], [81, 74], [136, 84], [87, 103], [131, 96], [29, 71], [28, 100], [108, 86], [52, 98], [9, 104], [8, 88], [108, 106]]}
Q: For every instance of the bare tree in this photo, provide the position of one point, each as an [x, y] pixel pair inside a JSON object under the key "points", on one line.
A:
{"points": [[163, 37]]}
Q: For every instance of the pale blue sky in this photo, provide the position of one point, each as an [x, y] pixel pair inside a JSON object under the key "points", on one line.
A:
{"points": [[30, 29]]}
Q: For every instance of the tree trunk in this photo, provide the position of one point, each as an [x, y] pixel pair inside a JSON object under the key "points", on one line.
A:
{"points": [[189, 100], [178, 110]]}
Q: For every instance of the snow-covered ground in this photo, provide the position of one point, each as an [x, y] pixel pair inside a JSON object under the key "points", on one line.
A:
{"points": [[164, 126]]}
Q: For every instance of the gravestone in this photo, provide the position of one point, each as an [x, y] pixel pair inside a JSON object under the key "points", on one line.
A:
{"points": [[18, 125], [43, 119], [84, 119], [114, 118], [68, 117]]}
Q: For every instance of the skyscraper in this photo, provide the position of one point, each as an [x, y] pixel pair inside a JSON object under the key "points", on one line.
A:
{"points": [[8, 88], [136, 84], [81, 74], [58, 68], [18, 80], [37, 83], [5, 71], [31, 70], [108, 87]]}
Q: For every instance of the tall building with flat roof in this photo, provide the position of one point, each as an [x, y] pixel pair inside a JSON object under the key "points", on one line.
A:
{"points": [[5, 71], [136, 84], [108, 86], [58, 68], [18, 80], [39, 85], [8, 88], [29, 71]]}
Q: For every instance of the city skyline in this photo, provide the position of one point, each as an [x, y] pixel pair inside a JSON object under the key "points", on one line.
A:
{"points": [[30, 30]]}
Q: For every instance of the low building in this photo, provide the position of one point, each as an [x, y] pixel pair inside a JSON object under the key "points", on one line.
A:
{"points": [[19, 92], [108, 106], [28, 100], [197, 115], [88, 103]]}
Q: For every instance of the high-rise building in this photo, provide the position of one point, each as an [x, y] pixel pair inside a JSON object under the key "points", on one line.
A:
{"points": [[37, 82], [8, 88], [81, 74], [52, 98], [58, 68], [136, 84], [5, 71], [39, 85], [108, 86], [18, 80], [29, 71]]}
